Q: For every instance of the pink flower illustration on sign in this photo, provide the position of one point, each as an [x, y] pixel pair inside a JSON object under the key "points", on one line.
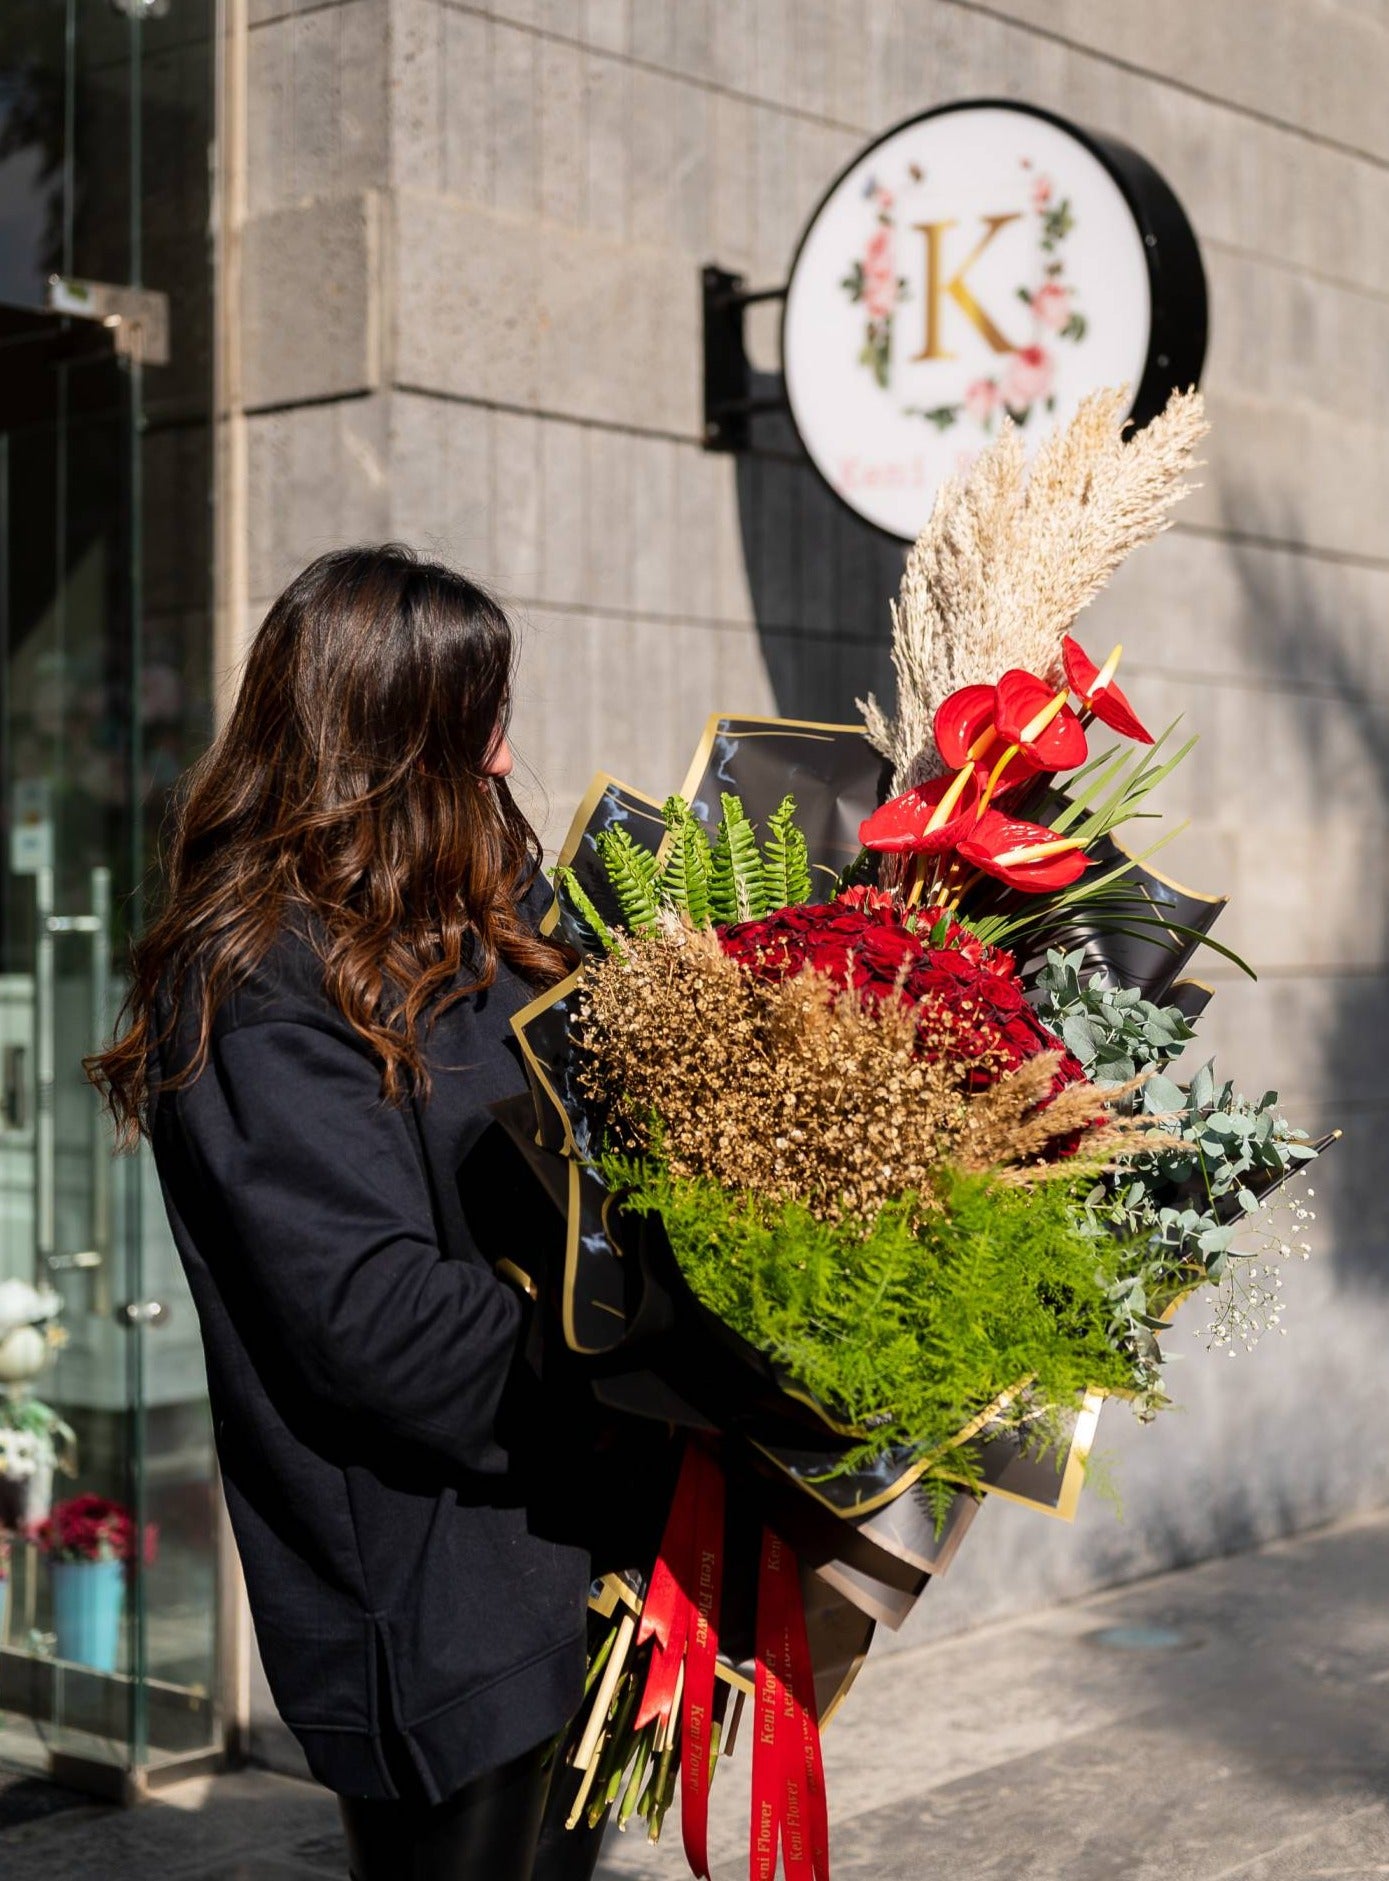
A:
{"points": [[1030, 376], [1051, 304], [982, 400], [879, 275], [874, 283]]}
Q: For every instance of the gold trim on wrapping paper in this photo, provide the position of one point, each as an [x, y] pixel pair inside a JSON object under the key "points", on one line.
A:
{"points": [[851, 1672], [1073, 1476], [603, 781], [518, 1277], [519, 1021], [613, 1592], [909, 1476], [571, 1261], [740, 1682], [711, 732], [1179, 888]]}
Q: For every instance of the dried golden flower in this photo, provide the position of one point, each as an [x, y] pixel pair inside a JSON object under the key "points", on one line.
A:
{"points": [[800, 1091]]}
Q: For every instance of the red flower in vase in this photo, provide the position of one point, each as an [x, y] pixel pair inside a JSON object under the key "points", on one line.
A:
{"points": [[1094, 687], [91, 1528]]}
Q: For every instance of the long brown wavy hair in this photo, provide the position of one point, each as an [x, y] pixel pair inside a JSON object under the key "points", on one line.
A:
{"points": [[347, 796]]}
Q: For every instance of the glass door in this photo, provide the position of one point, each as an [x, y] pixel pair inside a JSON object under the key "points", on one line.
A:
{"points": [[108, 1670]]}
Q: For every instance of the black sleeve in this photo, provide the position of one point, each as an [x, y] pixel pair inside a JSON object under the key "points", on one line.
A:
{"points": [[327, 1205], [535, 903]]}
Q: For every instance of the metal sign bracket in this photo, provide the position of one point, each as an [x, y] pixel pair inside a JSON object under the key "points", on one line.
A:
{"points": [[729, 403]]}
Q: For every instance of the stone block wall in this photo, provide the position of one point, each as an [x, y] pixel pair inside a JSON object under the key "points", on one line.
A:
{"points": [[471, 320]]}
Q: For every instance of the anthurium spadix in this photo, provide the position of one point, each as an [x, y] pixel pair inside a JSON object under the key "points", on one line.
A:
{"points": [[1094, 686], [1025, 855], [928, 820]]}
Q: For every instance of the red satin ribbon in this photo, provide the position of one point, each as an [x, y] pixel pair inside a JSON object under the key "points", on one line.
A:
{"points": [[665, 1612], [701, 1657], [788, 1778], [681, 1614]]}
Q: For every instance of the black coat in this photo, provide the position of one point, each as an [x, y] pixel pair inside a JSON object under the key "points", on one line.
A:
{"points": [[360, 1351]]}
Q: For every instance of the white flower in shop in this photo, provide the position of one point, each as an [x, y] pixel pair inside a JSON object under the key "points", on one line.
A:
{"points": [[20, 1454], [26, 1317]]}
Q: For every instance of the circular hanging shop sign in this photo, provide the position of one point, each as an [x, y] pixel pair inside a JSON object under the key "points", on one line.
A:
{"points": [[980, 259]]}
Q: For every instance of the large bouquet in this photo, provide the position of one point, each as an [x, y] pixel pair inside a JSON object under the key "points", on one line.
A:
{"points": [[863, 1118]]}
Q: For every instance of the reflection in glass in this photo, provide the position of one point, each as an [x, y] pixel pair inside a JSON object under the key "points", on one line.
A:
{"points": [[105, 559]]}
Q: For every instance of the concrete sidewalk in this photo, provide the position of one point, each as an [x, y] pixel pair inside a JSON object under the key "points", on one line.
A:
{"points": [[1230, 1721]]}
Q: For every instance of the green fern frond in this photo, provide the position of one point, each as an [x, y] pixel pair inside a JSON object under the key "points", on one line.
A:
{"points": [[632, 871], [584, 908], [749, 883], [730, 880], [738, 889], [723, 893], [786, 859], [685, 875]]}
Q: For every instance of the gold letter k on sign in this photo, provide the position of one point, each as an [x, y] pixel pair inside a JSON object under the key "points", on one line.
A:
{"points": [[957, 287]]}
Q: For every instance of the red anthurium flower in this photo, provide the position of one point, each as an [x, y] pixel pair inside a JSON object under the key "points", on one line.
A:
{"points": [[1028, 714], [925, 821], [964, 725], [1095, 686], [965, 733], [1024, 855]]}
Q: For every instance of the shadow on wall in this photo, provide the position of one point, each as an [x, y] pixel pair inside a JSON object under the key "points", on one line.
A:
{"points": [[820, 579], [1316, 625]]}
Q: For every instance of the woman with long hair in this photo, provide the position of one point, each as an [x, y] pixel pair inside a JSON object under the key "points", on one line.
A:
{"points": [[317, 1025]]}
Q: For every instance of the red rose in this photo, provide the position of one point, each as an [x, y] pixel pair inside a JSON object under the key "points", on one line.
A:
{"points": [[883, 957], [793, 939], [965, 991]]}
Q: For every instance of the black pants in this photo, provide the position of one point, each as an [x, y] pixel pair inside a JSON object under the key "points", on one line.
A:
{"points": [[507, 1825]]}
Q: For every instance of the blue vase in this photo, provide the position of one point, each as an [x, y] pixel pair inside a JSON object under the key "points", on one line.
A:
{"points": [[88, 1597]]}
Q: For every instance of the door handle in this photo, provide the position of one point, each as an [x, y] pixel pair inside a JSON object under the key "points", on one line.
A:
{"points": [[143, 1313], [96, 925]]}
